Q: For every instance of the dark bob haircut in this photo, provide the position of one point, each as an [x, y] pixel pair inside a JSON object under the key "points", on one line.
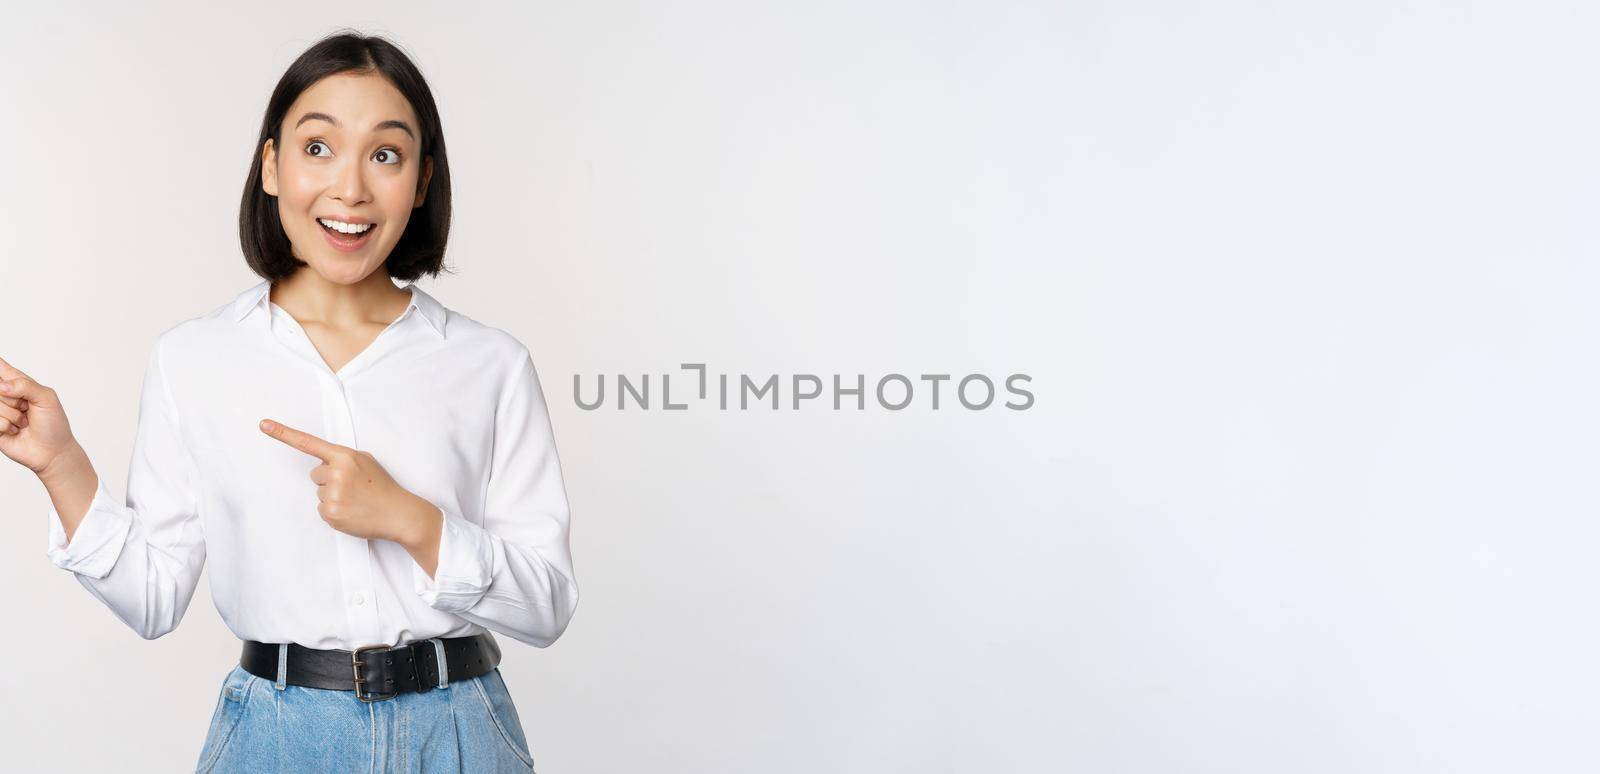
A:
{"points": [[420, 249]]}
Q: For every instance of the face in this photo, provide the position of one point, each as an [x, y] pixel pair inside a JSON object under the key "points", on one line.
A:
{"points": [[348, 162]]}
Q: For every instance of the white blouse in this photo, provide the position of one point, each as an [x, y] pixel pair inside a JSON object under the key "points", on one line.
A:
{"points": [[449, 406]]}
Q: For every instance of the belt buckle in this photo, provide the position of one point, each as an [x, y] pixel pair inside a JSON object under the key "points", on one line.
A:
{"points": [[356, 666]]}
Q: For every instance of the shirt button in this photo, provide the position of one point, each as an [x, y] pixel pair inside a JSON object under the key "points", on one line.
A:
{"points": [[358, 599]]}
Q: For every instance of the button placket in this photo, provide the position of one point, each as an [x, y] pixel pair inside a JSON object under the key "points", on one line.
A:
{"points": [[355, 554], [357, 562]]}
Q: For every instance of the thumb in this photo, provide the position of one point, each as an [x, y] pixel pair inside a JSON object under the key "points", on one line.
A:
{"points": [[19, 387]]}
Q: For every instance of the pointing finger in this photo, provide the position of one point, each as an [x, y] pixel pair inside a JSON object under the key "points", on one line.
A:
{"points": [[9, 371], [301, 440]]}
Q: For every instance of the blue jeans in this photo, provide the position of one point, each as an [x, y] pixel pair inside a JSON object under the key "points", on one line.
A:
{"points": [[262, 726]]}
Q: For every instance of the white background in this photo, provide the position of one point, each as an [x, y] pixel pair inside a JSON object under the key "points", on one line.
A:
{"points": [[1305, 290]]}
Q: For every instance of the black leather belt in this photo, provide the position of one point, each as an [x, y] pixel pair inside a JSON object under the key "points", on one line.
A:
{"points": [[376, 672]]}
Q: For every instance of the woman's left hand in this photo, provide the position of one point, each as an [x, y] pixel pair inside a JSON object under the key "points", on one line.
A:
{"points": [[358, 497]]}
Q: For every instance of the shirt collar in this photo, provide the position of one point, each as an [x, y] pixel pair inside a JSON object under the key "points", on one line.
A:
{"points": [[257, 297]]}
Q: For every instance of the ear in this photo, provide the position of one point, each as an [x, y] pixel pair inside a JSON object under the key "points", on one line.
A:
{"points": [[269, 168], [422, 181]]}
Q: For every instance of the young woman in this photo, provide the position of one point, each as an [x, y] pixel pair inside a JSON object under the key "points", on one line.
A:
{"points": [[372, 475]]}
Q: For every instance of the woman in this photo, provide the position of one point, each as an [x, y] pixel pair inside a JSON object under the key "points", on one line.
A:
{"points": [[435, 509]]}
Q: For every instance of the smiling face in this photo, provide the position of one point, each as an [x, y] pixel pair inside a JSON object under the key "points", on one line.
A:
{"points": [[348, 175]]}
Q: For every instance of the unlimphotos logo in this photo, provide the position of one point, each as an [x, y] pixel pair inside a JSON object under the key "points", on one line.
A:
{"points": [[894, 392]]}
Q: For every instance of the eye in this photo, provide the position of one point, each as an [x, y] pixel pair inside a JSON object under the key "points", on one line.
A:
{"points": [[392, 155], [326, 150]]}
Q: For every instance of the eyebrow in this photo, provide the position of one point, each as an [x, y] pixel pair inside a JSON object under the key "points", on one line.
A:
{"points": [[390, 124]]}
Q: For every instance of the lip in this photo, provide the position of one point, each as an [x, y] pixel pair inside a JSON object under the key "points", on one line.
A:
{"points": [[347, 247]]}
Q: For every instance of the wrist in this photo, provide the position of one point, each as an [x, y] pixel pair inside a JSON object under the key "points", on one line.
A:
{"points": [[425, 526], [70, 463]]}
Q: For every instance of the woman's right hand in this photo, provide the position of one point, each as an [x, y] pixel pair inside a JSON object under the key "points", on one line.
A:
{"points": [[33, 425]]}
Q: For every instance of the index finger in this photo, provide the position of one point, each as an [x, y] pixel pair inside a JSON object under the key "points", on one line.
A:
{"points": [[9, 371], [301, 440]]}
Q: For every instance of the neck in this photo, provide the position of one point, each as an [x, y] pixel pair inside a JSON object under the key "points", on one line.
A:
{"points": [[311, 297]]}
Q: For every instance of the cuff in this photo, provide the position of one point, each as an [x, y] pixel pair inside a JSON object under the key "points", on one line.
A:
{"points": [[464, 570], [98, 540]]}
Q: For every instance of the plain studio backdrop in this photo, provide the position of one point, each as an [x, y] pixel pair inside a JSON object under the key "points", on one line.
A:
{"points": [[1305, 293]]}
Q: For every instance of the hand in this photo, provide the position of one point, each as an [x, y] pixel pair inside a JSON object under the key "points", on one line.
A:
{"points": [[358, 497], [33, 425]]}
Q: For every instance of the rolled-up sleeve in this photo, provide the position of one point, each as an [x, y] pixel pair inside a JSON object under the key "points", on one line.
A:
{"points": [[141, 555], [513, 572]]}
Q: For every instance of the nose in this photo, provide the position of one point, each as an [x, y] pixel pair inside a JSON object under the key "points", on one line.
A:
{"points": [[350, 182]]}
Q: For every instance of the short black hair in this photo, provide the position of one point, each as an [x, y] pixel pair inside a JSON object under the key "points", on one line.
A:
{"points": [[421, 247]]}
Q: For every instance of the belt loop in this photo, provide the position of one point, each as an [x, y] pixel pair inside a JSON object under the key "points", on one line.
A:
{"points": [[283, 667], [444, 667]]}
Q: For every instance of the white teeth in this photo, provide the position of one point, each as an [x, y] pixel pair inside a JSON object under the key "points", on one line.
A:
{"points": [[345, 228]]}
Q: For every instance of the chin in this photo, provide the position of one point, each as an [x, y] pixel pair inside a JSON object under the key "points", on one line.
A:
{"points": [[340, 269]]}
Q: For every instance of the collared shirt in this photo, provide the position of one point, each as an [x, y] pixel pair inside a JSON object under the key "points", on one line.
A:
{"points": [[450, 407]]}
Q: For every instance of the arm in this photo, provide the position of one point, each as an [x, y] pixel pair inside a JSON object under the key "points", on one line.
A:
{"points": [[142, 555], [71, 481], [513, 574]]}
